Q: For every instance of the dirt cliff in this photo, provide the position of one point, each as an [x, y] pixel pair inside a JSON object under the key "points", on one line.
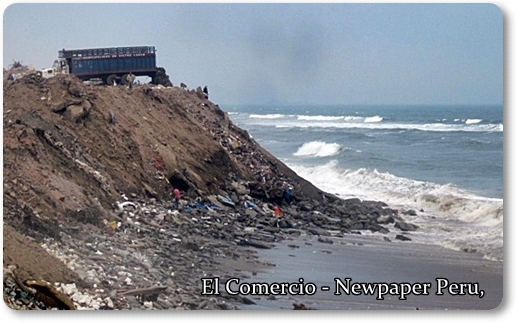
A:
{"points": [[72, 150]]}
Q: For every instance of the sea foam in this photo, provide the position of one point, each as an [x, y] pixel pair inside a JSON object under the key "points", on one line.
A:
{"points": [[318, 149], [475, 221], [268, 116], [374, 119], [371, 122], [321, 118]]}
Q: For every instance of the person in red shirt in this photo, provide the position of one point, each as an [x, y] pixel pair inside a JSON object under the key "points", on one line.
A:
{"points": [[177, 197]]}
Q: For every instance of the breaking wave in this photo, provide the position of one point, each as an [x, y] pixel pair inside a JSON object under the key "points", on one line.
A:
{"points": [[322, 118], [371, 122], [318, 149], [433, 127], [374, 119], [477, 222], [268, 116]]}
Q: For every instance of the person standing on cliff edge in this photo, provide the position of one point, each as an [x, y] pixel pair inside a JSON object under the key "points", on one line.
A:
{"points": [[130, 79], [205, 90]]}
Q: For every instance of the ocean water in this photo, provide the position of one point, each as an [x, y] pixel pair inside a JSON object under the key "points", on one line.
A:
{"points": [[444, 160]]}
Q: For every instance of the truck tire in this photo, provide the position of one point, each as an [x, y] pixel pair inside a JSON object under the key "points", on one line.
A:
{"points": [[111, 79], [161, 77], [123, 80]]}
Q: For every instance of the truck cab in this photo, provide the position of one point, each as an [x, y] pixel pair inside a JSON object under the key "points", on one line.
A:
{"points": [[60, 66]]}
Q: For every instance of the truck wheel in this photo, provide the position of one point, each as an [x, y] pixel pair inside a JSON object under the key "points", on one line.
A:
{"points": [[111, 79], [124, 81]]}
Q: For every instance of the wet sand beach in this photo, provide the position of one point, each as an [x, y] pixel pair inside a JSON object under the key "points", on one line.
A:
{"points": [[370, 260]]}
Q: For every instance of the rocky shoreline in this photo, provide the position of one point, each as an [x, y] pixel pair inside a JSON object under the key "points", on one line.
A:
{"points": [[153, 257]]}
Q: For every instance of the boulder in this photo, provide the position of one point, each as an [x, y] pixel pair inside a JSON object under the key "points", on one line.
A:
{"points": [[403, 226], [402, 237], [76, 113]]}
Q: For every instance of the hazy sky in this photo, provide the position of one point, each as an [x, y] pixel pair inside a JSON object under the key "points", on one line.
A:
{"points": [[286, 53]]}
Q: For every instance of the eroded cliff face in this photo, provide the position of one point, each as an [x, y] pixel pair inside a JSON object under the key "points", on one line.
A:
{"points": [[88, 176], [72, 150]]}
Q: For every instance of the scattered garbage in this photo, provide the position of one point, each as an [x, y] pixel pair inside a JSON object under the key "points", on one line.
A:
{"points": [[277, 211], [122, 205]]}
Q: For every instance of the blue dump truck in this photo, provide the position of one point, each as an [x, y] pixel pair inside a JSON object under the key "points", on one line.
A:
{"points": [[110, 65]]}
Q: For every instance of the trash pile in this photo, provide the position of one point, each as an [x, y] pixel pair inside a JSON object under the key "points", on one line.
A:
{"points": [[153, 256]]}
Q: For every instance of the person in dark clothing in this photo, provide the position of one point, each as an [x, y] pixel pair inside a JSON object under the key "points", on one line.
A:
{"points": [[287, 195], [205, 90]]}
